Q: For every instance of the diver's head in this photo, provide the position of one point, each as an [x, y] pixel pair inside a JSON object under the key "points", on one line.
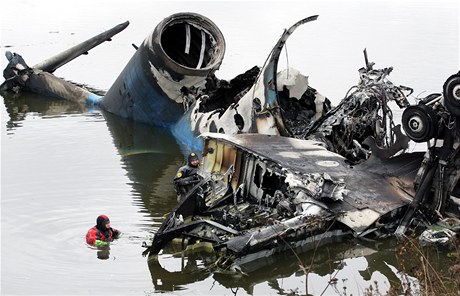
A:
{"points": [[193, 159], [102, 222]]}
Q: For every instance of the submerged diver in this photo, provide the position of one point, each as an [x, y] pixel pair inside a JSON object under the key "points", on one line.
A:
{"points": [[187, 176], [102, 233]]}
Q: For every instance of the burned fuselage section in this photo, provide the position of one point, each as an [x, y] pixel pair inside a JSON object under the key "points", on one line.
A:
{"points": [[263, 194], [262, 100]]}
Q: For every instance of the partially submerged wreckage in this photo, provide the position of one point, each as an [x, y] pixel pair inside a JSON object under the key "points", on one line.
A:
{"points": [[281, 167], [262, 194]]}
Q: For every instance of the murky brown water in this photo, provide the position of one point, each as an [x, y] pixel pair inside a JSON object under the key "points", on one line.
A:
{"points": [[63, 164]]}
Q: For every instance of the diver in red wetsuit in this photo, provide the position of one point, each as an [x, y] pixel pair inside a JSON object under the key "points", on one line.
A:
{"points": [[102, 233]]}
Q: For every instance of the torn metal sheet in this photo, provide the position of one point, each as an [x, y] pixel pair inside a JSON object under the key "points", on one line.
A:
{"points": [[258, 101]]}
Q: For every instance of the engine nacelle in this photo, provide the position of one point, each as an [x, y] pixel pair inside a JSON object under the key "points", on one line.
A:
{"points": [[181, 52]]}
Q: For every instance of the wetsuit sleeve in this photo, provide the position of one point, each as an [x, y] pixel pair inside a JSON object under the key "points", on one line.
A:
{"points": [[182, 178], [116, 233], [179, 175], [189, 180], [91, 236]]}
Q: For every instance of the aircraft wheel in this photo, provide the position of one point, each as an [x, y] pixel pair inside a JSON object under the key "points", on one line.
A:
{"points": [[419, 123], [451, 93]]}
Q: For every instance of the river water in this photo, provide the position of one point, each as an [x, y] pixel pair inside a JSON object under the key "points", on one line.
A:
{"points": [[63, 164]]}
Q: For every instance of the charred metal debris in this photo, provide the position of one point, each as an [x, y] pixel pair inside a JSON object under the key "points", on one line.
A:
{"points": [[347, 174]]}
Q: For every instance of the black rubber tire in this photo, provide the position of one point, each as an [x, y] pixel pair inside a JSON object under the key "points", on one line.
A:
{"points": [[420, 123], [451, 93]]}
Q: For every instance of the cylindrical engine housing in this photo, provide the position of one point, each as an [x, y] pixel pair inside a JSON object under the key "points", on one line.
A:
{"points": [[181, 52]]}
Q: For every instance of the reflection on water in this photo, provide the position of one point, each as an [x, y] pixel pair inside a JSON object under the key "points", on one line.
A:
{"points": [[103, 252], [336, 267], [20, 105], [151, 156], [192, 269]]}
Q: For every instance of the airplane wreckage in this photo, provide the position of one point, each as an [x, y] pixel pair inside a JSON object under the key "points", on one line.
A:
{"points": [[281, 167]]}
